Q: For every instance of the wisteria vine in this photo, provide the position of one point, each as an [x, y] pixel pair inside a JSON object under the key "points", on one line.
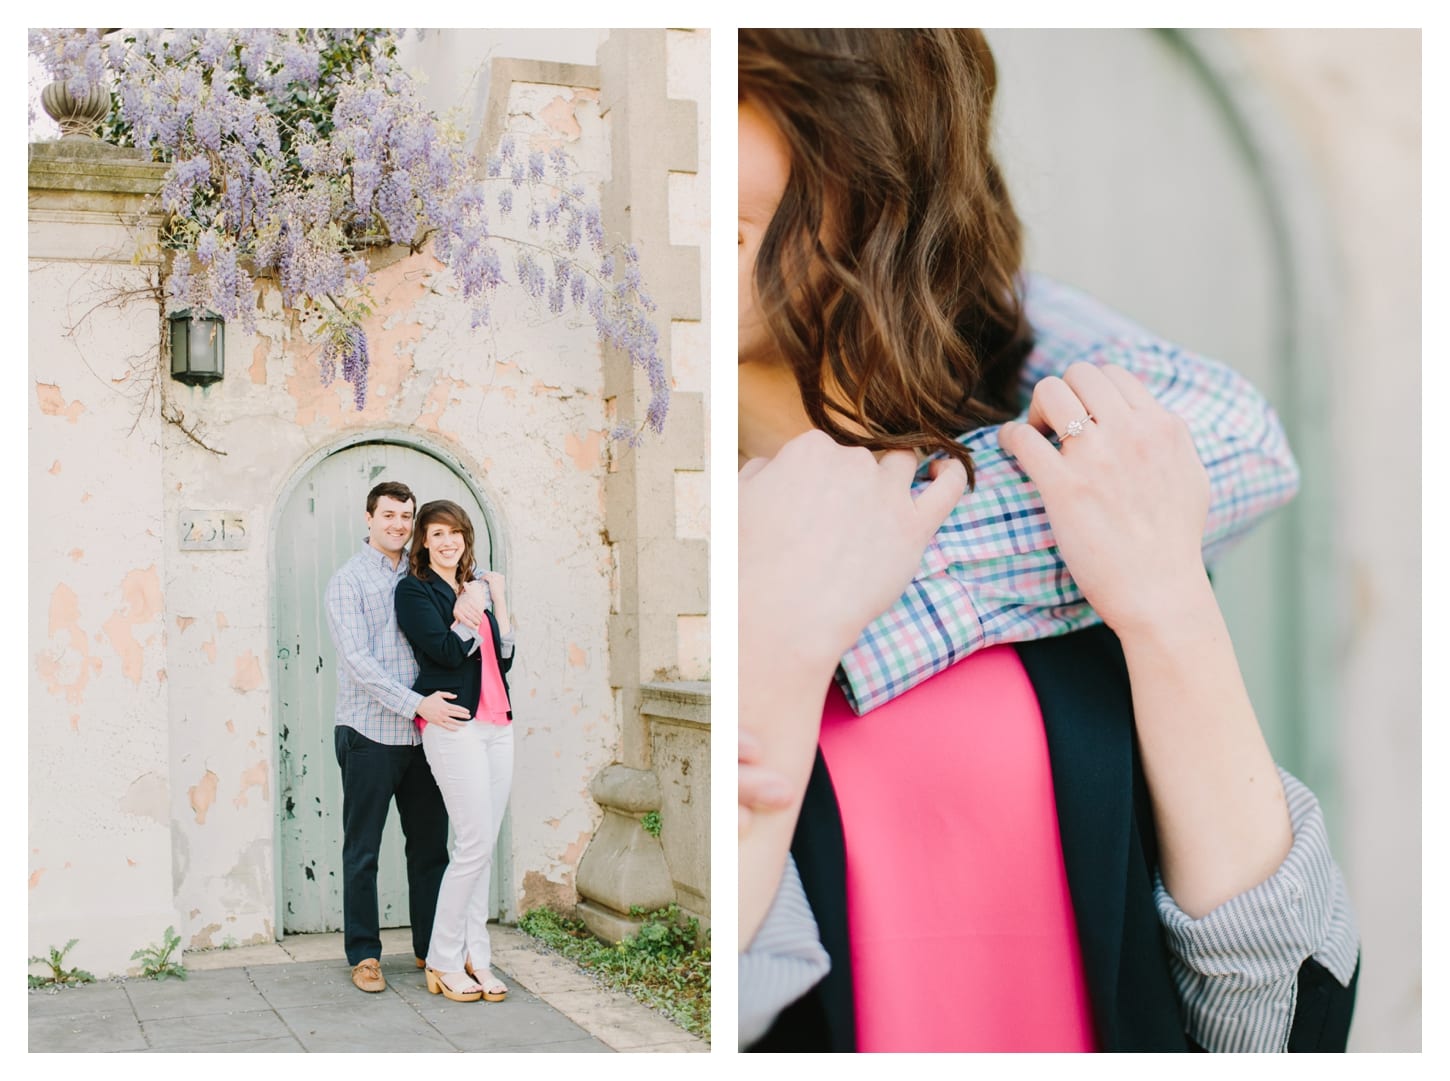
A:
{"points": [[289, 150]]}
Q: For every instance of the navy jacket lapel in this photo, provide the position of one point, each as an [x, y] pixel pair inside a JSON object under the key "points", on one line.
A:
{"points": [[442, 594], [1108, 847], [1089, 741]]}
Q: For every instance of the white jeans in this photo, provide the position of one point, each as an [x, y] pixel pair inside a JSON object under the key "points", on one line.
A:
{"points": [[474, 768]]}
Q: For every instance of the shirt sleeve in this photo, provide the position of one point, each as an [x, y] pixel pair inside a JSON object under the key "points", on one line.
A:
{"points": [[1237, 968], [993, 573], [467, 634], [783, 962], [349, 637]]}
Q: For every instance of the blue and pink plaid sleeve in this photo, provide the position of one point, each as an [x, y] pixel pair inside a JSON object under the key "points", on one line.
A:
{"points": [[993, 574]]}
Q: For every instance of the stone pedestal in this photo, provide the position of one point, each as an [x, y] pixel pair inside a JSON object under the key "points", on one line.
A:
{"points": [[678, 715], [624, 867]]}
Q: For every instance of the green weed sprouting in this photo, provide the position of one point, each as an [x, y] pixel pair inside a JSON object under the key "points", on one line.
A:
{"points": [[666, 965], [60, 976], [156, 962]]}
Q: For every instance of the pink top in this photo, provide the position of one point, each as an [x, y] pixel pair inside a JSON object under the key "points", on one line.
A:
{"points": [[493, 697], [962, 930]]}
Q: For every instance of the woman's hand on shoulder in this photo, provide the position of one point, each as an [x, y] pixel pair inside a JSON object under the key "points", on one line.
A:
{"points": [[1124, 490], [829, 538], [494, 580]]}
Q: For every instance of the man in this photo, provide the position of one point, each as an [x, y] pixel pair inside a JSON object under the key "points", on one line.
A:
{"points": [[378, 745]]}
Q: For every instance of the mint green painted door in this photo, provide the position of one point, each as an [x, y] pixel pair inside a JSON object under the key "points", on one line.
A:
{"points": [[320, 527]]}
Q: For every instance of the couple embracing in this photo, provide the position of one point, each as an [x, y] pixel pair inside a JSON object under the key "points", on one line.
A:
{"points": [[423, 643]]}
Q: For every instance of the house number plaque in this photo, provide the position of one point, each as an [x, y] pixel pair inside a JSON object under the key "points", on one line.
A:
{"points": [[213, 530]]}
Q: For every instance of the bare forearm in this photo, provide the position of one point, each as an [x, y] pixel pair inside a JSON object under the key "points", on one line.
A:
{"points": [[781, 707], [1222, 823]]}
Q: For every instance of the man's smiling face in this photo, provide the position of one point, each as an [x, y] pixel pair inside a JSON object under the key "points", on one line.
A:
{"points": [[390, 525]]}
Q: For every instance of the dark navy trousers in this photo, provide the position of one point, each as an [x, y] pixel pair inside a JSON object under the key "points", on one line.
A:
{"points": [[373, 776]]}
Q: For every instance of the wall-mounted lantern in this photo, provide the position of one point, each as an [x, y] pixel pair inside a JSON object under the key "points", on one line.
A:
{"points": [[198, 352]]}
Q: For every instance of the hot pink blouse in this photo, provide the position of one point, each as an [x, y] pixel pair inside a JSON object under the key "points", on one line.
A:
{"points": [[493, 697], [962, 929]]}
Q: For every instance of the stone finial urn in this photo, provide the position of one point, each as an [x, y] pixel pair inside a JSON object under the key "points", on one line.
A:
{"points": [[80, 116]]}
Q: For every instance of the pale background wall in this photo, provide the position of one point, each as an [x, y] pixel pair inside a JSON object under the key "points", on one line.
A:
{"points": [[98, 690], [1353, 98]]}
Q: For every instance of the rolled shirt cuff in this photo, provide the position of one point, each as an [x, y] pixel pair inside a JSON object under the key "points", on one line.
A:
{"points": [[783, 962], [1237, 968], [467, 633]]}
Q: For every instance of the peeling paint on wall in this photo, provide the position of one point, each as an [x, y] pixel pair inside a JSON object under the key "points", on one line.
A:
{"points": [[248, 676], [55, 467], [559, 114], [443, 393], [577, 657], [66, 666], [53, 403], [202, 796], [35, 877], [148, 797], [585, 452], [141, 591], [574, 851], [258, 370], [538, 890], [255, 777], [183, 622], [209, 648], [76, 554], [202, 939]]}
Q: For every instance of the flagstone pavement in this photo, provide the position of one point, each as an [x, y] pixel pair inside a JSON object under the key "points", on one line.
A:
{"points": [[297, 995]]}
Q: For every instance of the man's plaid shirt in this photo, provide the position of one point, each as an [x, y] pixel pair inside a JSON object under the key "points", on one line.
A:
{"points": [[375, 663], [993, 573]]}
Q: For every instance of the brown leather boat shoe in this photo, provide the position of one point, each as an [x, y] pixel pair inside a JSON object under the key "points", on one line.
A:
{"points": [[367, 975]]}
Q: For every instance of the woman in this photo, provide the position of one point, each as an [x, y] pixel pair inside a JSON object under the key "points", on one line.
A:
{"points": [[1078, 843], [472, 760]]}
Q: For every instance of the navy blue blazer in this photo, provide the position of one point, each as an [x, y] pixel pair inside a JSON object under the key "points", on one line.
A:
{"points": [[425, 616], [1110, 851]]}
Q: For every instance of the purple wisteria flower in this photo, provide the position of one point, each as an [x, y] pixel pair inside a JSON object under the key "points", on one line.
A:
{"points": [[290, 149]]}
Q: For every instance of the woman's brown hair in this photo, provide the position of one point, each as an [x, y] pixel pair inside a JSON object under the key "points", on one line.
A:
{"points": [[450, 514], [888, 276]]}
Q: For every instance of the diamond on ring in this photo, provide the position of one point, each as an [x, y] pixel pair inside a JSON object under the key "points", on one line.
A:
{"points": [[1077, 427]]}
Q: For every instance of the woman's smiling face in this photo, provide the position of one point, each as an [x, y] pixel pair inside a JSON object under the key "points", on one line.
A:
{"points": [[445, 545], [764, 170]]}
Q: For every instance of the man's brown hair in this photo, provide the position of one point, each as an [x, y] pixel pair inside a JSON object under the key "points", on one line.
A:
{"points": [[888, 276], [393, 490]]}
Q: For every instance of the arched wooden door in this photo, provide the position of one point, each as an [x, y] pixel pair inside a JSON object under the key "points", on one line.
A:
{"points": [[320, 527]]}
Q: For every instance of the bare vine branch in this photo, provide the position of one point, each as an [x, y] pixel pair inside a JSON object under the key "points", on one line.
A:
{"points": [[172, 414]]}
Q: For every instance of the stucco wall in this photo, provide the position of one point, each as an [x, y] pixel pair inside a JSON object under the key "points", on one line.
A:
{"points": [[1353, 97], [100, 829]]}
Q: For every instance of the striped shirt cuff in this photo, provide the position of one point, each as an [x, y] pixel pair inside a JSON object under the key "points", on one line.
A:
{"points": [[785, 960], [1237, 968]]}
